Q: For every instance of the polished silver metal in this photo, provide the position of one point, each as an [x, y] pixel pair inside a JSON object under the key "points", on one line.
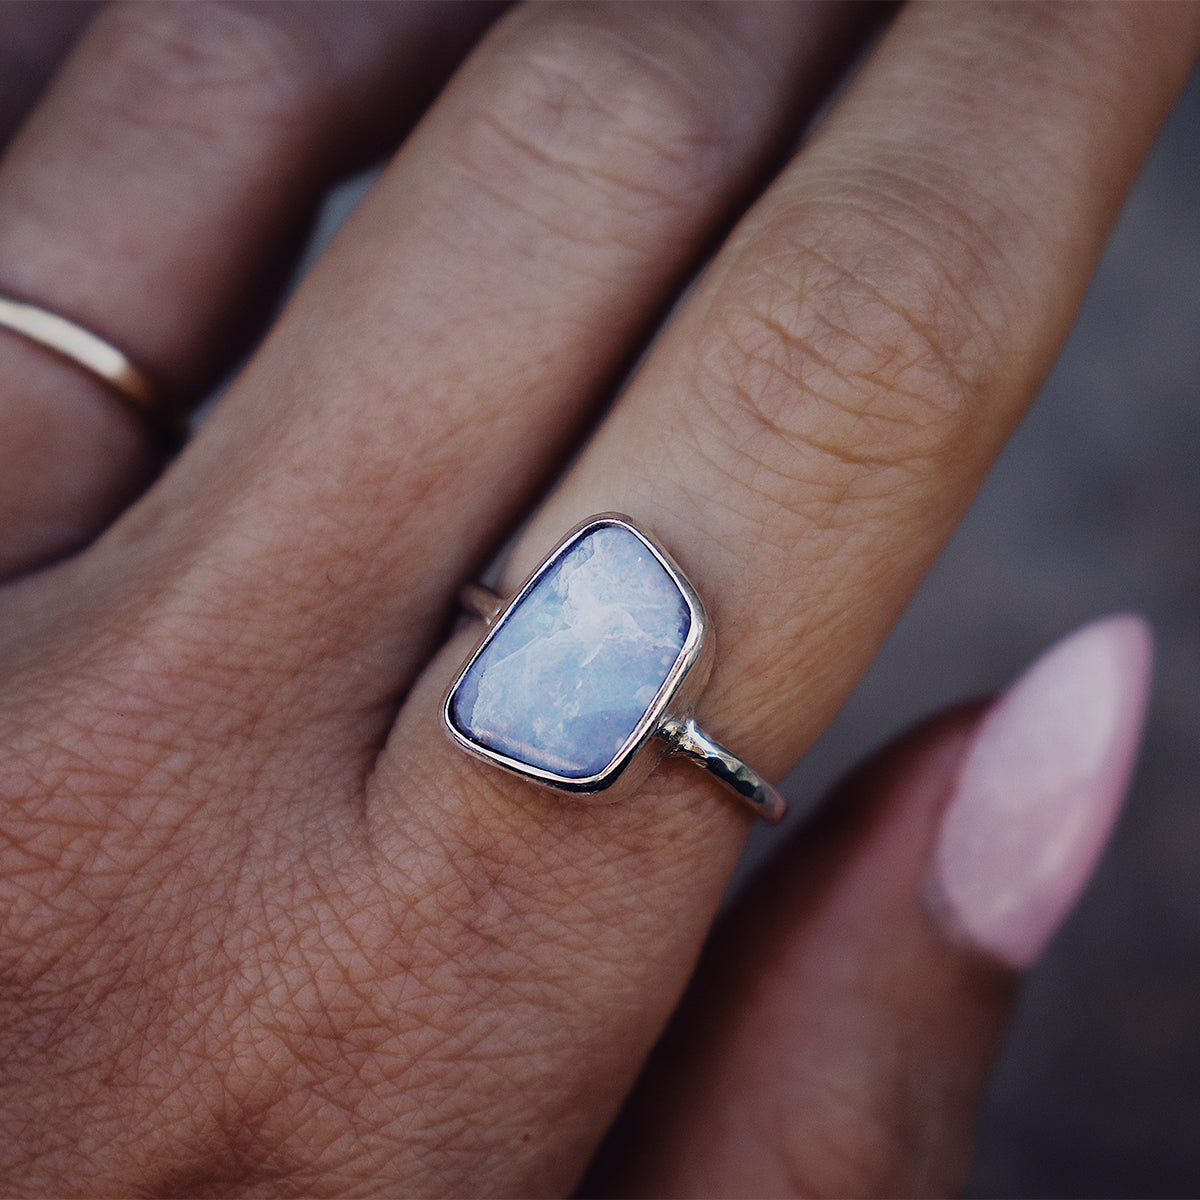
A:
{"points": [[480, 601], [686, 738], [667, 726]]}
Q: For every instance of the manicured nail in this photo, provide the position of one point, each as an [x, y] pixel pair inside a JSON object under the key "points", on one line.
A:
{"points": [[1039, 789]]}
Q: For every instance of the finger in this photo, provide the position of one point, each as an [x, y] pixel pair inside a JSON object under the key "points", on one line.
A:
{"points": [[803, 439], [441, 358], [872, 334], [834, 1040], [155, 198], [198, 733], [838, 1035], [33, 39]]}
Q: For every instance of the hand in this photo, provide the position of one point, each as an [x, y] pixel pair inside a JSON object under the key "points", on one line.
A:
{"points": [[264, 929]]}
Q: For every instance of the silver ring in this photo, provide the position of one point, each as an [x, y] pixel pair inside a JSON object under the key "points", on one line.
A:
{"points": [[588, 675]]}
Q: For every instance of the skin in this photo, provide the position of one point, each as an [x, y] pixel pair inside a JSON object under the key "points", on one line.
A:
{"points": [[263, 929]]}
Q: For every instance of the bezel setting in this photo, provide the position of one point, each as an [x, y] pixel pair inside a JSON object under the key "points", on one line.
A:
{"points": [[641, 750]]}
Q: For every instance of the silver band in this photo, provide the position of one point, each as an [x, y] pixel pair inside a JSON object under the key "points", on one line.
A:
{"points": [[681, 733], [481, 602], [686, 738]]}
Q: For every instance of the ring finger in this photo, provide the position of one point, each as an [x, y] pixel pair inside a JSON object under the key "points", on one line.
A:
{"points": [[803, 439]]}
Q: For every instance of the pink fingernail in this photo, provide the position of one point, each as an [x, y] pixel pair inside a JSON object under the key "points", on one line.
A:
{"points": [[1039, 790]]}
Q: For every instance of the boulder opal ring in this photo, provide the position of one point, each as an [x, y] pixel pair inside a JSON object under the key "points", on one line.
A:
{"points": [[588, 675]]}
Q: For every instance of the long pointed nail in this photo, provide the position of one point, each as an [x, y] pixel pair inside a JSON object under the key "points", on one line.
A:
{"points": [[1039, 790]]}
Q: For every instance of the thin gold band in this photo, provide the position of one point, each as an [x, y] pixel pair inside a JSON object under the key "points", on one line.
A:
{"points": [[84, 349]]}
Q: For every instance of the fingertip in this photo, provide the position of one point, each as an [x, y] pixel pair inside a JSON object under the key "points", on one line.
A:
{"points": [[1039, 790]]}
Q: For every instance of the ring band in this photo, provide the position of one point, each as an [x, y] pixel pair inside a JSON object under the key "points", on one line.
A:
{"points": [[93, 354], [588, 675]]}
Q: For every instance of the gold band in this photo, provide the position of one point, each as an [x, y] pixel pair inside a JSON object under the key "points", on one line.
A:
{"points": [[84, 349]]}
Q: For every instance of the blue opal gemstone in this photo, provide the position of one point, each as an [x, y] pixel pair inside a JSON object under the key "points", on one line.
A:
{"points": [[573, 667]]}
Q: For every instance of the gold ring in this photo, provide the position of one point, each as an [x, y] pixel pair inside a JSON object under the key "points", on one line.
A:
{"points": [[93, 354]]}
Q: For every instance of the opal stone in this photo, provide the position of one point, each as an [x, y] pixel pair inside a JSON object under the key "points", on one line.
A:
{"points": [[575, 664]]}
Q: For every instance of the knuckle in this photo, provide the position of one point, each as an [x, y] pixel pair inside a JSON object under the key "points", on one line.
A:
{"points": [[850, 353], [207, 68], [579, 105]]}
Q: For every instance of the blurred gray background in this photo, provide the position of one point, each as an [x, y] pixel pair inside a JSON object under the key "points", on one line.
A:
{"points": [[1094, 507]]}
